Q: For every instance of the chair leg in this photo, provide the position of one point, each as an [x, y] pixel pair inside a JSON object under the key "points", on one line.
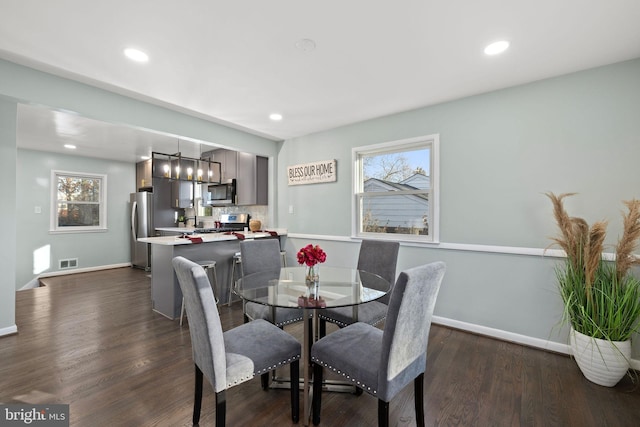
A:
{"points": [[264, 380], [418, 385], [383, 413], [317, 393], [182, 312], [197, 400], [310, 331], [232, 281], [214, 283], [323, 327], [221, 408], [295, 390], [235, 265]]}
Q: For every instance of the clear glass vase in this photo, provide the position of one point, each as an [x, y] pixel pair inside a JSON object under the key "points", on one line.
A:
{"points": [[312, 274]]}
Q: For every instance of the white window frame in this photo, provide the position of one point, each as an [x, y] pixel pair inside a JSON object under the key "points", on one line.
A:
{"points": [[428, 141], [53, 226]]}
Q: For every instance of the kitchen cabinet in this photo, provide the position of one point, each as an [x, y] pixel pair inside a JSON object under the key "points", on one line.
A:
{"points": [[143, 174], [250, 172], [262, 180], [229, 163], [181, 194], [252, 181], [246, 179]]}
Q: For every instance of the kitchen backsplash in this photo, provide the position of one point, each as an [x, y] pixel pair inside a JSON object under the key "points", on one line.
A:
{"points": [[256, 212]]}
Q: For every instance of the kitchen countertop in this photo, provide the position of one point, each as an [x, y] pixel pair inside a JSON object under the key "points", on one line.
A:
{"points": [[206, 237], [189, 230]]}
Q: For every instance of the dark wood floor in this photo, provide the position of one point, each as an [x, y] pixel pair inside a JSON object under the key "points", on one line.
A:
{"points": [[91, 340]]}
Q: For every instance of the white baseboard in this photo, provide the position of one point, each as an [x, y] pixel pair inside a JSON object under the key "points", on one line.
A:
{"points": [[513, 337], [9, 330], [34, 282]]}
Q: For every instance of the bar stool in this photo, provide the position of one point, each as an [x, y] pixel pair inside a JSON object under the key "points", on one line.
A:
{"points": [[236, 261], [208, 265]]}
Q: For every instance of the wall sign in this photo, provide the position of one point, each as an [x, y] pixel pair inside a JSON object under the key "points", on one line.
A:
{"points": [[312, 173]]}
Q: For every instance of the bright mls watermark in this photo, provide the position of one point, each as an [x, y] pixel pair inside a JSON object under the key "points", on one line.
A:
{"points": [[34, 415]]}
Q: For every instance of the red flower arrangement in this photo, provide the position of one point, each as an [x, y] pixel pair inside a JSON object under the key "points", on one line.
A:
{"points": [[311, 255]]}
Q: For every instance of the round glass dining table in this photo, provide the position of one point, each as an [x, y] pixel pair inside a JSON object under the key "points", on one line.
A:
{"points": [[288, 287]]}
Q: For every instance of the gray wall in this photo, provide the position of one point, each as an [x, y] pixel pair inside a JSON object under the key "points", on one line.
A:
{"points": [[8, 113], [23, 84], [499, 152], [92, 249]]}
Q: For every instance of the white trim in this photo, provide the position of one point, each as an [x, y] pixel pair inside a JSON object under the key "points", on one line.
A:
{"points": [[434, 179], [433, 141], [53, 218], [513, 337], [322, 237], [512, 250], [503, 335], [33, 283], [464, 247], [9, 330], [85, 270]]}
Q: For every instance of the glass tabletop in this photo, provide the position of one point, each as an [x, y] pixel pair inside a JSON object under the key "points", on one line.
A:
{"points": [[336, 287]]}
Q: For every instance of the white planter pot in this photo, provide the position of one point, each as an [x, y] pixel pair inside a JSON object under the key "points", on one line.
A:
{"points": [[602, 362]]}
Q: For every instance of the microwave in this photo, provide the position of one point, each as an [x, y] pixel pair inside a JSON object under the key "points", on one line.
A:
{"points": [[220, 194]]}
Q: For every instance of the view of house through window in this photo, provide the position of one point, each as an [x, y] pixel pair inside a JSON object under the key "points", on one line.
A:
{"points": [[394, 189], [79, 201]]}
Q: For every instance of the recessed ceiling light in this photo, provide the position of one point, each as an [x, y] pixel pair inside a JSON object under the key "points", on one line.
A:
{"points": [[136, 55], [70, 146], [275, 117], [145, 157], [305, 45], [496, 48]]}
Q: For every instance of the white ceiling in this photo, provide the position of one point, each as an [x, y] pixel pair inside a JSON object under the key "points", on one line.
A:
{"points": [[236, 61]]}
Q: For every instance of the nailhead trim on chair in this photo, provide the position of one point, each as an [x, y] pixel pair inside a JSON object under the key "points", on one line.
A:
{"points": [[342, 324], [337, 371], [262, 371], [285, 322], [271, 368], [289, 321], [337, 322]]}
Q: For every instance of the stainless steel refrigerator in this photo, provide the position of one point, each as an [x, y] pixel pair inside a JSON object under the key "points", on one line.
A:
{"points": [[141, 207]]}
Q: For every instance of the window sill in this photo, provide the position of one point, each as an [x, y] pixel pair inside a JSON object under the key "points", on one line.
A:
{"points": [[79, 230]]}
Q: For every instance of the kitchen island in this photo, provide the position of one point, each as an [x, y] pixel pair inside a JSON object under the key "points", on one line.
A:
{"points": [[166, 296]]}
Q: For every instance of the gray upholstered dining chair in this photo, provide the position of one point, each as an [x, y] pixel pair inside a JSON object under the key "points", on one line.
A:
{"points": [[378, 257], [232, 357], [395, 356], [261, 255]]}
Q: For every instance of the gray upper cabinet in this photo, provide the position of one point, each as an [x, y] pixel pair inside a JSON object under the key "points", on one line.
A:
{"points": [[262, 180], [246, 179], [250, 172], [143, 174], [181, 194], [229, 163]]}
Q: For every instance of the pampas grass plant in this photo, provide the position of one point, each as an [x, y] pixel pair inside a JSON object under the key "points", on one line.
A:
{"points": [[601, 298]]}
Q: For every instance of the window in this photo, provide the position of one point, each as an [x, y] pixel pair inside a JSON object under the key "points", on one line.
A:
{"points": [[396, 190], [78, 202]]}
